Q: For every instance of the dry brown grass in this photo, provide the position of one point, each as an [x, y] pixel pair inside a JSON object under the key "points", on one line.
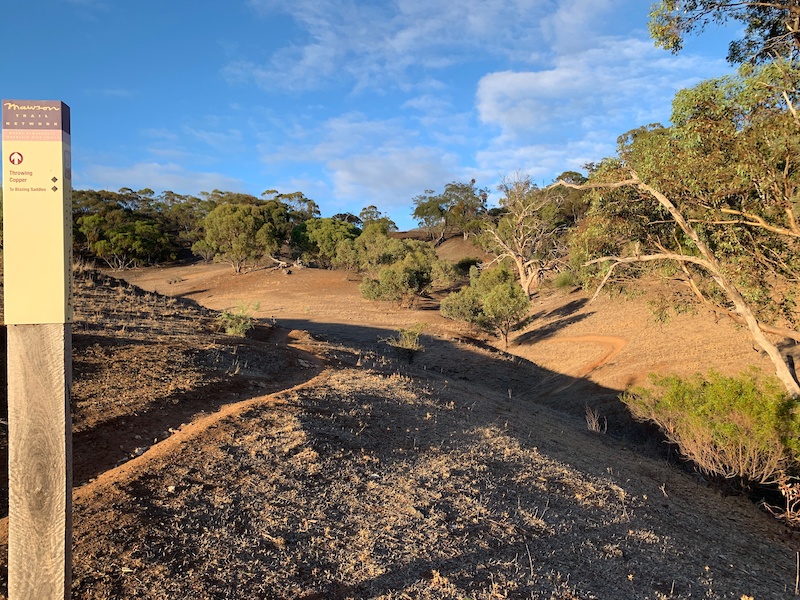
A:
{"points": [[372, 484], [385, 480]]}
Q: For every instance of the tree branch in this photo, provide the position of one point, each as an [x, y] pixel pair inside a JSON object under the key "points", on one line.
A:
{"points": [[682, 258], [748, 219]]}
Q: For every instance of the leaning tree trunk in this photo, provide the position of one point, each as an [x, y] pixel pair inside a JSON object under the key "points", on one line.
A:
{"points": [[740, 304], [710, 263]]}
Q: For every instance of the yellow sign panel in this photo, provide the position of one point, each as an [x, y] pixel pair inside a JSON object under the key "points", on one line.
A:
{"points": [[37, 212]]}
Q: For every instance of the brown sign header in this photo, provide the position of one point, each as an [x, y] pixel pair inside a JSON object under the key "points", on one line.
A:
{"points": [[51, 115]]}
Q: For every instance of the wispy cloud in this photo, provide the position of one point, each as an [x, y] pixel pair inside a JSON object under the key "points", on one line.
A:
{"points": [[393, 177], [594, 88], [115, 92], [158, 176], [369, 161], [375, 44], [220, 140]]}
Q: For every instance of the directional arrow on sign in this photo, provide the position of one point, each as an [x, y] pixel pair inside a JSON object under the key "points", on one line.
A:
{"points": [[15, 158]]}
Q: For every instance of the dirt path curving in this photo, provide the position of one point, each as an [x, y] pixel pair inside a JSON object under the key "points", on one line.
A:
{"points": [[612, 344]]}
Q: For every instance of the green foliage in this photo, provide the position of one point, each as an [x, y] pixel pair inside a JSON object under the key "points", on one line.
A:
{"points": [[242, 233], [493, 301], [370, 288], [463, 305], [405, 280], [370, 214], [123, 240], [298, 207], [375, 249], [744, 428], [503, 307], [771, 29], [728, 166], [457, 209], [566, 280], [406, 343], [444, 273], [326, 234], [203, 249], [347, 256], [529, 231], [483, 281], [429, 211], [238, 321], [464, 265]]}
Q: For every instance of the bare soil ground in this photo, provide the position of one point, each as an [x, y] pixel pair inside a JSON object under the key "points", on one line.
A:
{"points": [[309, 461]]}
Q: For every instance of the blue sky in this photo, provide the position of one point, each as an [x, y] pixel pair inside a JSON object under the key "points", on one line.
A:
{"points": [[353, 102]]}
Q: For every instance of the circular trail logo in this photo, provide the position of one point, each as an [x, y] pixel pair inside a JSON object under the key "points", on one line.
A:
{"points": [[15, 158]]}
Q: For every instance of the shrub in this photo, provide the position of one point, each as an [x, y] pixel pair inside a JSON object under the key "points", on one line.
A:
{"points": [[239, 321], [444, 273], [403, 281], [406, 343], [464, 265], [202, 249], [464, 305], [566, 279], [370, 288], [493, 300], [347, 256], [742, 428], [503, 307]]}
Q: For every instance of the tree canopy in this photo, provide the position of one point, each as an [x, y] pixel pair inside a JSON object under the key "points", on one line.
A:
{"points": [[771, 28], [527, 231], [457, 209], [717, 193]]}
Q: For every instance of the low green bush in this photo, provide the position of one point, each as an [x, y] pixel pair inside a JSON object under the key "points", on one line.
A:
{"points": [[444, 273], [238, 321], [464, 265], [403, 281], [463, 305], [493, 301], [744, 428], [406, 343], [565, 280]]}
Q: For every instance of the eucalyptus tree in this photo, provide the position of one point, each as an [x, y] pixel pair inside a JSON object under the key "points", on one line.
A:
{"points": [[771, 27], [717, 193], [528, 232], [457, 209], [242, 233]]}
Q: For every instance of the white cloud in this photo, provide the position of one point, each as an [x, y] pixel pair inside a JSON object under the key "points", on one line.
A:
{"points": [[543, 162], [373, 44], [349, 133], [367, 161], [161, 133], [573, 25], [392, 178], [594, 88], [221, 140], [154, 175]]}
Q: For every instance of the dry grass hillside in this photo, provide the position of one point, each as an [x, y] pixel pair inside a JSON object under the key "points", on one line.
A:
{"points": [[308, 461]]}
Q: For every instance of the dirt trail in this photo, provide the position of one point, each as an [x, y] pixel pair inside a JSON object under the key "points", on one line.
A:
{"points": [[466, 473], [613, 345]]}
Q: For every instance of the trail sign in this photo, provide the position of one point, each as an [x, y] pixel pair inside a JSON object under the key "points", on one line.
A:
{"points": [[37, 219], [37, 261]]}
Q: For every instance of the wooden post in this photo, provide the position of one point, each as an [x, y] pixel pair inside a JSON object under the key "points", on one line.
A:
{"points": [[37, 261]]}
